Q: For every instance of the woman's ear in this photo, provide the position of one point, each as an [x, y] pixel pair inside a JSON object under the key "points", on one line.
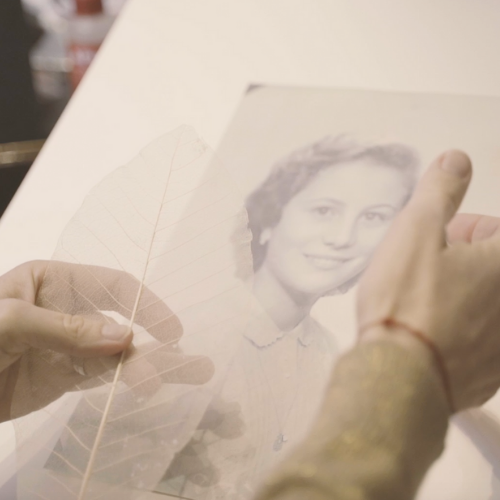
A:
{"points": [[265, 236]]}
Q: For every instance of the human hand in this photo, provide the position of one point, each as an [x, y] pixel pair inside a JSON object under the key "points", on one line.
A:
{"points": [[448, 292], [81, 347]]}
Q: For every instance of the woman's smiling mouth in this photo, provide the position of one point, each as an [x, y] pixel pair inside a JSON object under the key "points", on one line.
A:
{"points": [[326, 262]]}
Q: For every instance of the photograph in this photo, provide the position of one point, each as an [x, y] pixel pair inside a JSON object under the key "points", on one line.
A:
{"points": [[323, 173]]}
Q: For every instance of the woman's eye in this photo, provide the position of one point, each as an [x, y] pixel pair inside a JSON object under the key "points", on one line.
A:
{"points": [[375, 217], [323, 211], [372, 216]]}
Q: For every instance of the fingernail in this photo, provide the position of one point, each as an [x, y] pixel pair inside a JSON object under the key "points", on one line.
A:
{"points": [[114, 332], [456, 163]]}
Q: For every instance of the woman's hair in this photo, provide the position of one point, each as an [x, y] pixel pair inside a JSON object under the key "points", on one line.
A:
{"points": [[293, 173]]}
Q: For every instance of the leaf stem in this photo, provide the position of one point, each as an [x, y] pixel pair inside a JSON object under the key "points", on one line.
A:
{"points": [[90, 465]]}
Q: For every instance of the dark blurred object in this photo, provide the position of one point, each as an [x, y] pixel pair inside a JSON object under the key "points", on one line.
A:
{"points": [[15, 161], [19, 110], [18, 105]]}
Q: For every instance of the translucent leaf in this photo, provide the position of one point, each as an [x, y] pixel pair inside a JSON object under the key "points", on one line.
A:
{"points": [[168, 228]]}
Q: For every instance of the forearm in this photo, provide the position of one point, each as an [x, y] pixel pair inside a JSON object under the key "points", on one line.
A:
{"points": [[382, 425]]}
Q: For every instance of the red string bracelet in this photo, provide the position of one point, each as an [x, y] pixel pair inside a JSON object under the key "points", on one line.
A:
{"points": [[438, 358]]}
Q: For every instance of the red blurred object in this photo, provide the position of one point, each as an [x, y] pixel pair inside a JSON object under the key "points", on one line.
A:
{"points": [[87, 31], [85, 7]]}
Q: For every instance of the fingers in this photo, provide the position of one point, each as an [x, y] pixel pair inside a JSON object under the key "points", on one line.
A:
{"points": [[23, 325], [170, 367], [82, 290], [468, 228], [23, 281], [439, 193], [421, 224]]}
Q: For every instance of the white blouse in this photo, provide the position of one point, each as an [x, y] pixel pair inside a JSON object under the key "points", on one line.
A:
{"points": [[268, 398]]}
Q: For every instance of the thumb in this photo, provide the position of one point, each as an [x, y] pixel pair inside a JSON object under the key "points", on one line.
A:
{"points": [[23, 325], [440, 191]]}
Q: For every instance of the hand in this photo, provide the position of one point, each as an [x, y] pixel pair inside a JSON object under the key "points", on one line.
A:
{"points": [[451, 293], [47, 352]]}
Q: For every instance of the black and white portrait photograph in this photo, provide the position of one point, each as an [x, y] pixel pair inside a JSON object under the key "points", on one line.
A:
{"points": [[322, 174]]}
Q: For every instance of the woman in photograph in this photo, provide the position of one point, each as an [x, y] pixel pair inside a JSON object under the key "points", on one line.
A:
{"points": [[318, 217], [315, 221]]}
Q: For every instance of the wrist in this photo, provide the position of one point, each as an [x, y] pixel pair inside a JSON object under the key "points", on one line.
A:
{"points": [[400, 336], [416, 344]]}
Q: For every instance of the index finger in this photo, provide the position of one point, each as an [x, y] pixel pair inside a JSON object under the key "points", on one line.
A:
{"points": [[83, 290], [468, 228]]}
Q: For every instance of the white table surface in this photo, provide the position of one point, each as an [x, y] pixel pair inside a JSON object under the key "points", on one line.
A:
{"points": [[169, 62]]}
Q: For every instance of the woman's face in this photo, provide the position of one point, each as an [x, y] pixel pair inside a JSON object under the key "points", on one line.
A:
{"points": [[329, 230]]}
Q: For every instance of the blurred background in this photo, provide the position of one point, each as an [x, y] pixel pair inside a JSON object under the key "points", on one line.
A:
{"points": [[46, 46]]}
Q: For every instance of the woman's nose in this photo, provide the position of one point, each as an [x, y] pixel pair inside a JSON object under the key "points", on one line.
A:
{"points": [[340, 235]]}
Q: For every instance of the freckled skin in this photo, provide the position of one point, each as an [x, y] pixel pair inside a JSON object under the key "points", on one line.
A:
{"points": [[329, 230]]}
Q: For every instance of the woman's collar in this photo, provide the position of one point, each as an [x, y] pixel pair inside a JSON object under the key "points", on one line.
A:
{"points": [[262, 332]]}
